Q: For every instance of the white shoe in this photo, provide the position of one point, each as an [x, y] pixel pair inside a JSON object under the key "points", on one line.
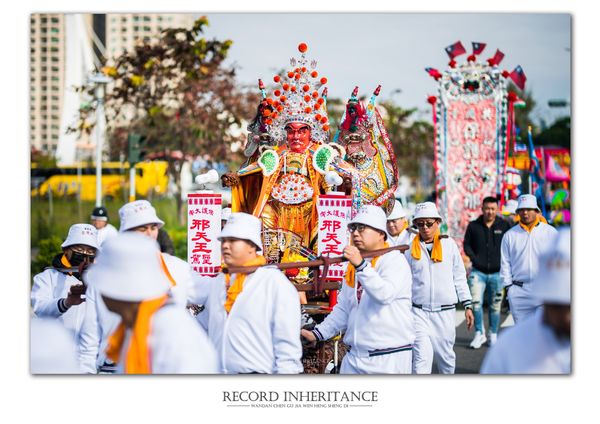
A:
{"points": [[478, 340], [492, 340]]}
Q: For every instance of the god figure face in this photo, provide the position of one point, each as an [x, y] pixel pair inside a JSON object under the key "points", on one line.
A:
{"points": [[298, 136]]}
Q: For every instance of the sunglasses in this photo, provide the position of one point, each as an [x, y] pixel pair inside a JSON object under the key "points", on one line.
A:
{"points": [[422, 224], [356, 227]]}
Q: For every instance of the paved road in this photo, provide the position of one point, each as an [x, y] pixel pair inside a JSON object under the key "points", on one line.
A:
{"points": [[468, 361]]}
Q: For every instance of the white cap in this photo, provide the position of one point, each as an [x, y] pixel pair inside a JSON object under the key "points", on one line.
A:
{"points": [[426, 210], [128, 268], [373, 216], [527, 201], [139, 212], [82, 234], [53, 348], [510, 207], [553, 282], [397, 212], [225, 214], [243, 226]]}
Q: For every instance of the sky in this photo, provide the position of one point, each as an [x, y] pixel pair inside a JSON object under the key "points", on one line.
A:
{"points": [[393, 49]]}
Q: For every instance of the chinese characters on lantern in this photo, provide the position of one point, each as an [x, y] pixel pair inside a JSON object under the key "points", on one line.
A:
{"points": [[204, 226], [334, 215]]}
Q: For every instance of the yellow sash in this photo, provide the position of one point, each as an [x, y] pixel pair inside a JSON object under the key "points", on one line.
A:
{"points": [[351, 272], [137, 358], [436, 252], [238, 284], [530, 227]]}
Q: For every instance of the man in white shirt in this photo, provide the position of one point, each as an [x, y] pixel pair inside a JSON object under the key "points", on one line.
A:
{"points": [[374, 306], [439, 282], [397, 226], [155, 335], [541, 343], [253, 317], [521, 249], [99, 220]]}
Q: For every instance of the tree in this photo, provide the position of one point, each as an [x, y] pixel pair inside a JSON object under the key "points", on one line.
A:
{"points": [[558, 134], [176, 91]]}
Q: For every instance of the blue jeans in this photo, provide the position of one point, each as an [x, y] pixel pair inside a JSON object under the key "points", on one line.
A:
{"points": [[480, 285]]}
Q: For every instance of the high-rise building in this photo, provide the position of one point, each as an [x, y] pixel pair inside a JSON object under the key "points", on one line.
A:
{"points": [[48, 60], [124, 30]]}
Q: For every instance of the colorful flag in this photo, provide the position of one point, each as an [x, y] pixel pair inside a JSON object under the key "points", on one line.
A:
{"points": [[518, 76], [433, 72], [498, 56], [455, 49], [478, 47]]}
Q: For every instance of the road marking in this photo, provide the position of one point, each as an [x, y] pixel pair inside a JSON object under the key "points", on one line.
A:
{"points": [[508, 322], [460, 317]]}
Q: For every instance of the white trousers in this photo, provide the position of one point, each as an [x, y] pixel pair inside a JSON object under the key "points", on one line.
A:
{"points": [[435, 336], [522, 301], [392, 363]]}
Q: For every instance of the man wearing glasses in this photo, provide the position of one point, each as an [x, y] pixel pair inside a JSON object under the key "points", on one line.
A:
{"points": [[521, 249], [439, 282], [57, 293], [374, 306]]}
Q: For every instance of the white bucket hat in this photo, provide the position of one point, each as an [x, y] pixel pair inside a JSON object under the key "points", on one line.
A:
{"points": [[139, 212], [82, 234], [510, 207], [225, 214], [553, 282], [128, 269], [426, 210], [398, 212], [527, 201], [243, 226], [373, 216]]}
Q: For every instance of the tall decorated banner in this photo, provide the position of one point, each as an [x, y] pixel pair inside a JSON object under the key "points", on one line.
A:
{"points": [[470, 116], [334, 211], [204, 226]]}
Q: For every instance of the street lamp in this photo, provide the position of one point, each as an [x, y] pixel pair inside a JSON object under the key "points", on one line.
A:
{"points": [[100, 80]]}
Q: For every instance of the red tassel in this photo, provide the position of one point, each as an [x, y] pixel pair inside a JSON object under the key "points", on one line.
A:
{"points": [[505, 74], [512, 96], [452, 63], [471, 58], [431, 100]]}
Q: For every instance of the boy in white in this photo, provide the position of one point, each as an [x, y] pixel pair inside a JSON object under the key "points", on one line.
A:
{"points": [[541, 343], [155, 335], [58, 294], [439, 282], [374, 306], [253, 318], [139, 217], [521, 249]]}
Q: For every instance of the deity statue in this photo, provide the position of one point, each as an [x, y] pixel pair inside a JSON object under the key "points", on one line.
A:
{"points": [[369, 150]]}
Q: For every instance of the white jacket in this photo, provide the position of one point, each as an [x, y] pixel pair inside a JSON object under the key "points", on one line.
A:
{"points": [[178, 345], [520, 252], [528, 348], [262, 331], [105, 233], [405, 237], [436, 284], [48, 288], [383, 318], [99, 323]]}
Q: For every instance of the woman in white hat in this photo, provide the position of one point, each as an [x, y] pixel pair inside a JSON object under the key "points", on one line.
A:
{"points": [[139, 217], [155, 335], [253, 319], [521, 249], [439, 283], [397, 226], [58, 294], [374, 306], [541, 343]]}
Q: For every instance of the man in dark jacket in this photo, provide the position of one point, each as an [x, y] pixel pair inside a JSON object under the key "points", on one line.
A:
{"points": [[482, 245]]}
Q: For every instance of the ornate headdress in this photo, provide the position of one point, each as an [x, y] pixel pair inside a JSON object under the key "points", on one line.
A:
{"points": [[297, 99], [258, 129]]}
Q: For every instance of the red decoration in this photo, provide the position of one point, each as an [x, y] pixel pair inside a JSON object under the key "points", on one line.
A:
{"points": [[290, 74], [431, 100], [323, 80], [505, 73], [292, 272], [302, 47], [325, 127], [452, 63], [277, 93], [314, 74], [305, 88], [276, 78], [471, 58], [512, 96]]}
